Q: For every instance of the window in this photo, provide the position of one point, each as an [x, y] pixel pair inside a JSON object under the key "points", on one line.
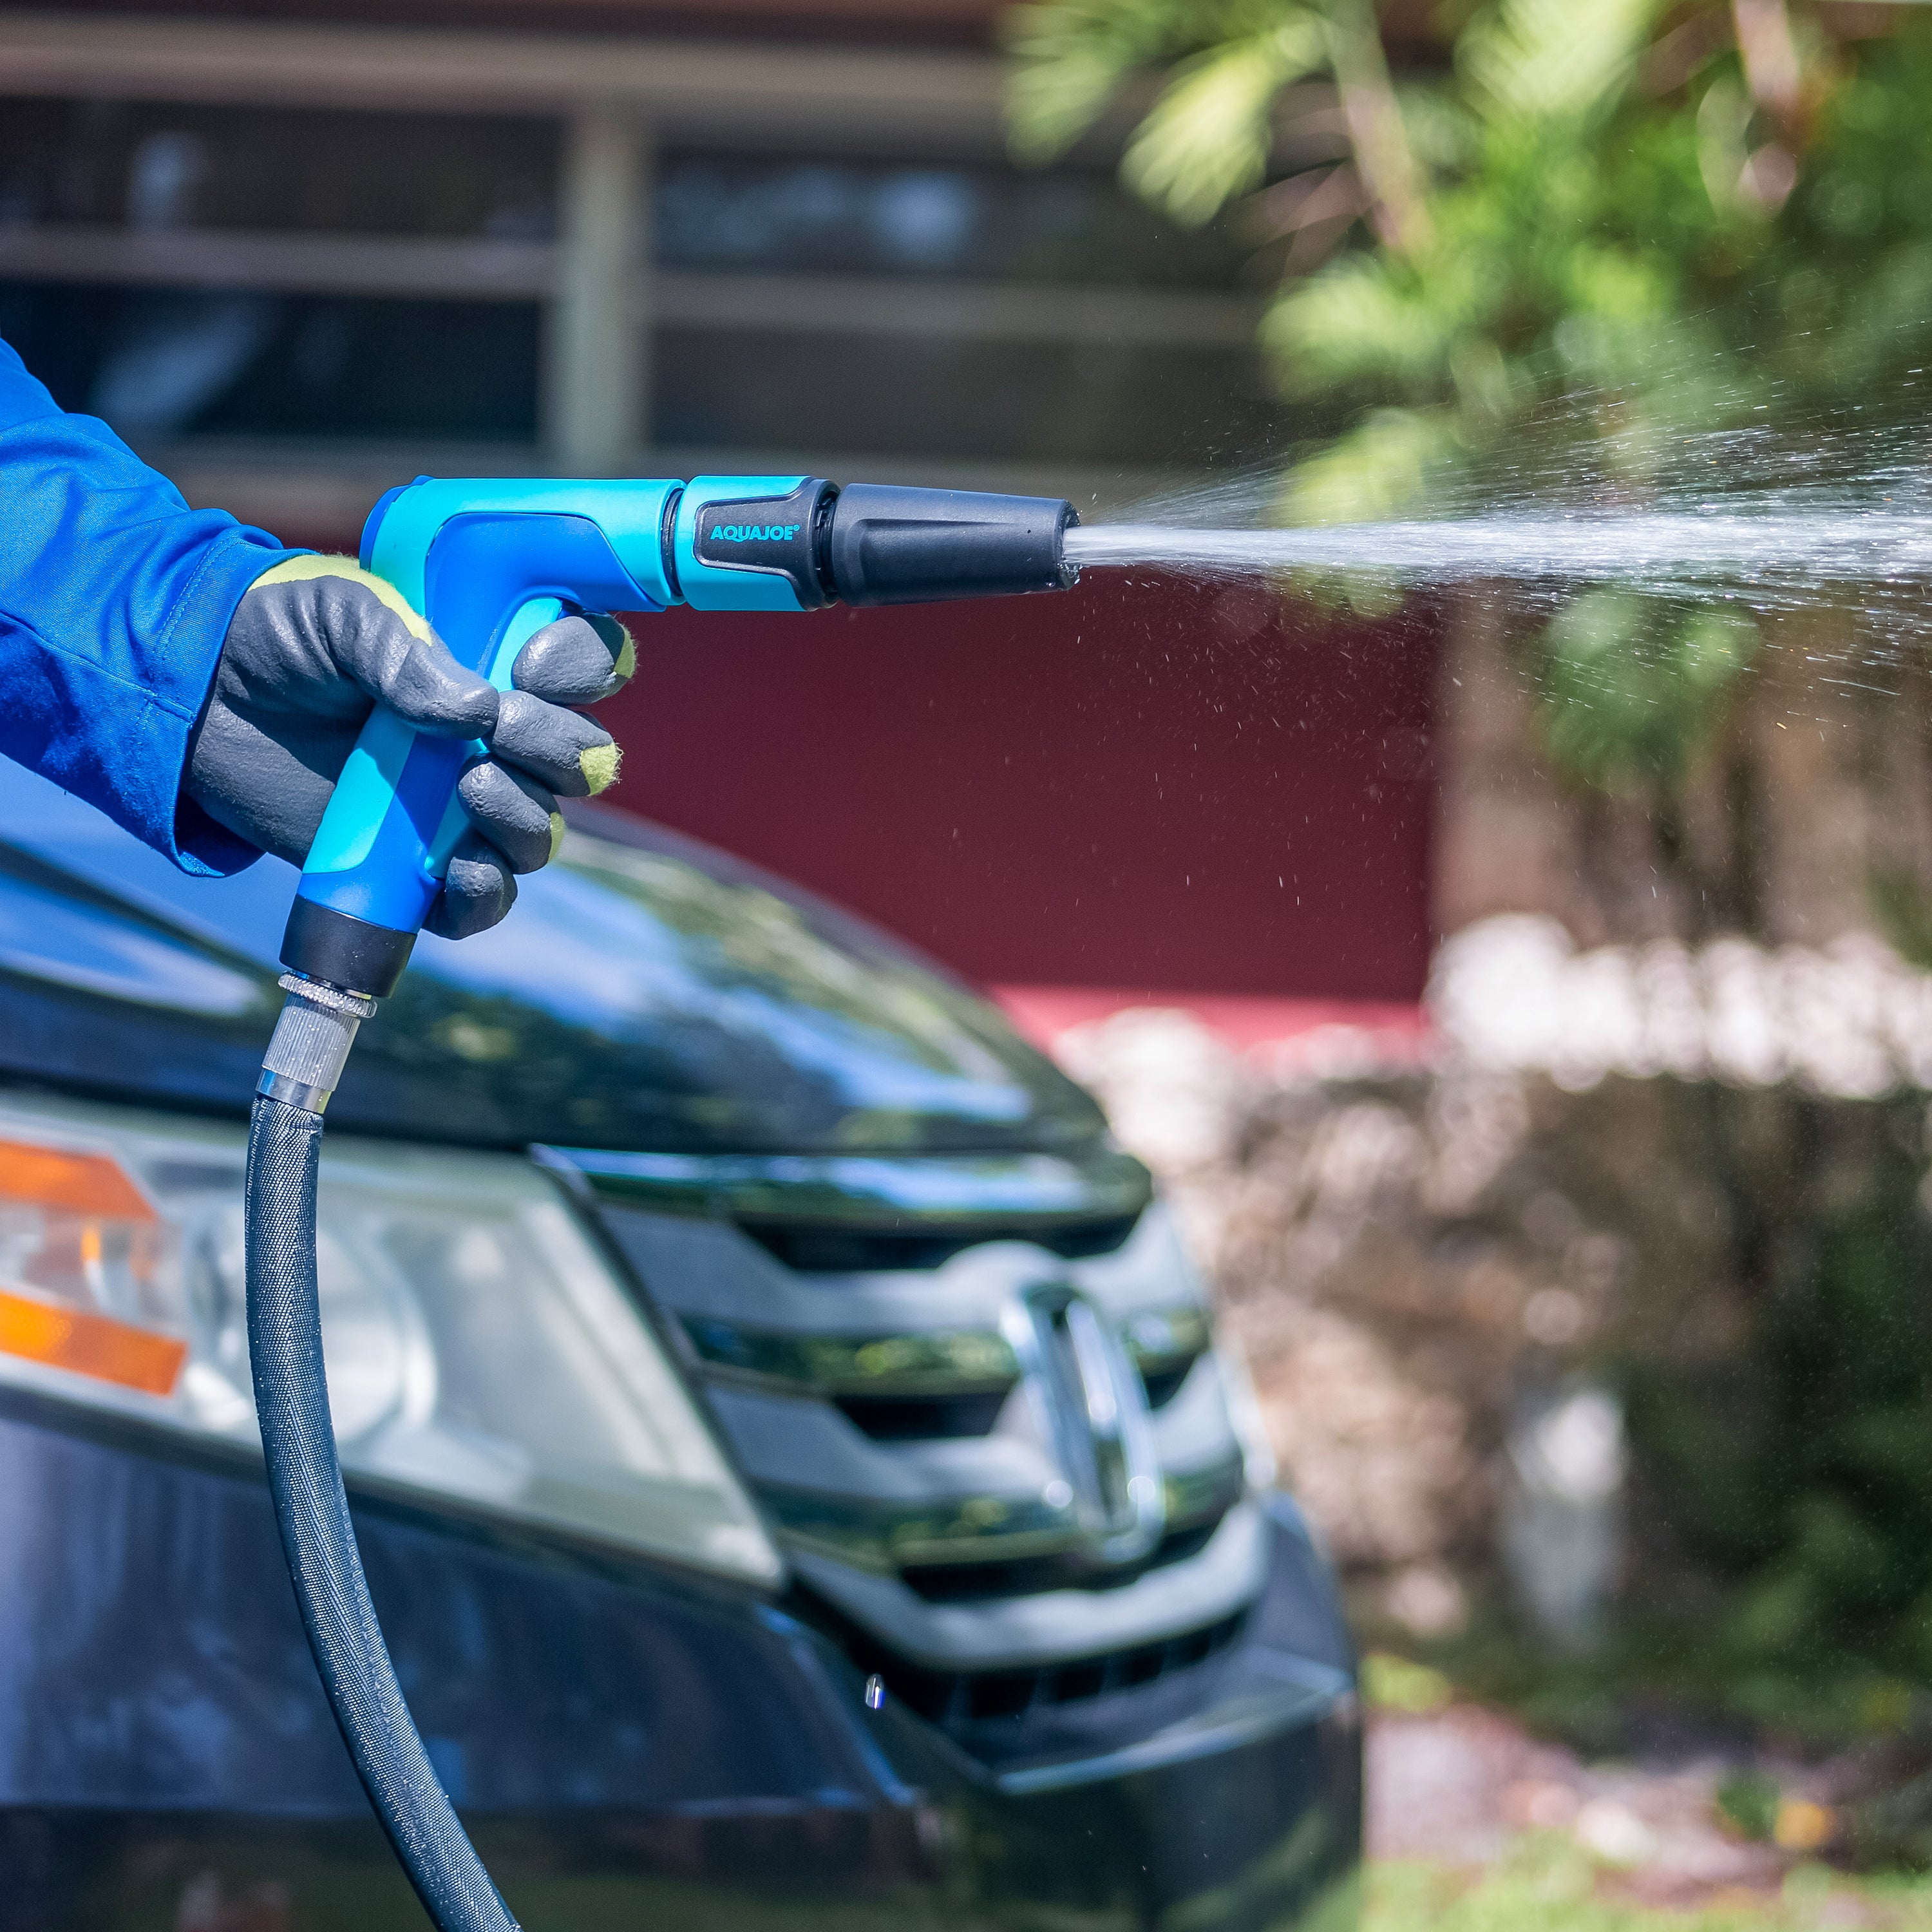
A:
{"points": [[155, 166], [165, 363], [971, 221], [301, 275]]}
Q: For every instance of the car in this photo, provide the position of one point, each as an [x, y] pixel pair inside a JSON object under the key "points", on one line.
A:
{"points": [[792, 1456]]}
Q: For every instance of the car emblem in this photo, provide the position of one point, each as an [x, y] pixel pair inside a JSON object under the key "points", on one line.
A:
{"points": [[1093, 1405]]}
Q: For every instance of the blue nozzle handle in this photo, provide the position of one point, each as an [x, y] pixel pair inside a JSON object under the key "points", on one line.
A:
{"points": [[486, 563]]}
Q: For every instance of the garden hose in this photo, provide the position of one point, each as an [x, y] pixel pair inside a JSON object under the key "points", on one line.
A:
{"points": [[304, 1061]]}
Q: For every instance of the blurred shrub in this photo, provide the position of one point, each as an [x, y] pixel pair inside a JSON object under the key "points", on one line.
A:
{"points": [[1800, 1468], [1393, 1683], [1749, 1800]]}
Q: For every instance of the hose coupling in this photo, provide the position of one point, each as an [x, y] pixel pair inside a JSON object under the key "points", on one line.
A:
{"points": [[311, 1043]]}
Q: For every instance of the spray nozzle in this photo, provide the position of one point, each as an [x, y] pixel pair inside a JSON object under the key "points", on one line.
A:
{"points": [[887, 545], [869, 543]]}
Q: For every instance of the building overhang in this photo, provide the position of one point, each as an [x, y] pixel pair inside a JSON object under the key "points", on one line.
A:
{"points": [[771, 90]]}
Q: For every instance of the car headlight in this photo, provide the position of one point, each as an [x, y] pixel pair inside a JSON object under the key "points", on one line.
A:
{"points": [[480, 1351]]}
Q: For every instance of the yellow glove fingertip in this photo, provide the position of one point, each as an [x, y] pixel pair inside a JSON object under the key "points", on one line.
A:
{"points": [[599, 766]]}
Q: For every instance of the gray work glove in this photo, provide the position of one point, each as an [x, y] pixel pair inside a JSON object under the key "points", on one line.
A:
{"points": [[317, 642]]}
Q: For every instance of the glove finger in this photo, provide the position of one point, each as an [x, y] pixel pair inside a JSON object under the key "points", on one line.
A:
{"points": [[477, 891], [558, 748], [414, 677], [515, 814], [576, 661], [426, 687]]}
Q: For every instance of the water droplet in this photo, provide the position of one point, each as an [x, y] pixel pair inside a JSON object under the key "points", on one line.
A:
{"points": [[875, 1692]]}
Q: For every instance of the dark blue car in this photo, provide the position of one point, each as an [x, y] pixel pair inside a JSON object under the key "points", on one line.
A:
{"points": [[789, 1450]]}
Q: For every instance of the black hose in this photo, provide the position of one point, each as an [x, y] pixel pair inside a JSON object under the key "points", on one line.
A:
{"points": [[319, 1539]]}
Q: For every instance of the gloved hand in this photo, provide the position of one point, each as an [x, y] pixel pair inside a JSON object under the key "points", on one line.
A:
{"points": [[316, 642]]}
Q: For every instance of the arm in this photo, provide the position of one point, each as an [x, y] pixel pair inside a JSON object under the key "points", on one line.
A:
{"points": [[114, 599], [202, 684]]}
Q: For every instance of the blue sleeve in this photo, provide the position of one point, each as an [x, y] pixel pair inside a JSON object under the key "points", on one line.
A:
{"points": [[115, 597]]}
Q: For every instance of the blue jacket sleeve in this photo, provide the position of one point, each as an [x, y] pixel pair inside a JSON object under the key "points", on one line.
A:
{"points": [[115, 597]]}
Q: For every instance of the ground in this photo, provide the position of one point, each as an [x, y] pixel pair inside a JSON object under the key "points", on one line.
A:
{"points": [[1475, 1826]]}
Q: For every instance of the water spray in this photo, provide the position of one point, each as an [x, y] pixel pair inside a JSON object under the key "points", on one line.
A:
{"points": [[488, 564], [1686, 547]]}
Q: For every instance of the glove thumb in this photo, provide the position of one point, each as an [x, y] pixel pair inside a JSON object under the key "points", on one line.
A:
{"points": [[426, 688]]}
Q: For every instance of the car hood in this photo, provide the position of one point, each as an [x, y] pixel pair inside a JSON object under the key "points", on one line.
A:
{"points": [[647, 993]]}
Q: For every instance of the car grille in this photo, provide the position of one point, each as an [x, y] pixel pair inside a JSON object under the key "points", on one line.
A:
{"points": [[978, 1400], [808, 1249], [965, 1697]]}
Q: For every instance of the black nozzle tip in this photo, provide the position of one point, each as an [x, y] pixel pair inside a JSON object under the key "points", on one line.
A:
{"points": [[888, 545]]}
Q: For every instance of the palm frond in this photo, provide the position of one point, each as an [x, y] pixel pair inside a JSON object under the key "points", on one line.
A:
{"points": [[1207, 139]]}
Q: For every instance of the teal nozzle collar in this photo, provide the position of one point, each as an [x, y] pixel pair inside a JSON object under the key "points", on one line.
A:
{"points": [[750, 543]]}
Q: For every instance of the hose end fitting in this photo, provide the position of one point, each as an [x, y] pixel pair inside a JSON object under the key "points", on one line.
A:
{"points": [[312, 1038]]}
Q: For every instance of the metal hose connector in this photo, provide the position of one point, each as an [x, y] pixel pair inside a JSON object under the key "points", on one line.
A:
{"points": [[311, 1047]]}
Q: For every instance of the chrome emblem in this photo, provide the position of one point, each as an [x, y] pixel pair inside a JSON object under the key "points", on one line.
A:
{"points": [[1093, 1406]]}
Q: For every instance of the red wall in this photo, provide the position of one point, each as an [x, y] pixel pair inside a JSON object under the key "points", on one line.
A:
{"points": [[1152, 786]]}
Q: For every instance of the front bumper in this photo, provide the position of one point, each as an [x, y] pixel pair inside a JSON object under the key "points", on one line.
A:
{"points": [[628, 1744]]}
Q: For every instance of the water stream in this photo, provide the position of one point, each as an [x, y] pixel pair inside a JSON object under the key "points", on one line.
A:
{"points": [[1782, 547]]}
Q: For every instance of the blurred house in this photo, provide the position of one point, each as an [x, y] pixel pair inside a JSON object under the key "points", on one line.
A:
{"points": [[297, 253]]}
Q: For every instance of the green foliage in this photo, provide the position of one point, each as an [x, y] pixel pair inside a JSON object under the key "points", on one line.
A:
{"points": [[1749, 1800], [1207, 139], [1802, 1474], [1588, 241], [1071, 56], [1633, 681], [1903, 910], [1536, 66], [1393, 1683], [1209, 135], [1556, 313]]}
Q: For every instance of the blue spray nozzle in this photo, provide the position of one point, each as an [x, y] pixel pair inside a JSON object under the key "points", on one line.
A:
{"points": [[484, 561]]}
